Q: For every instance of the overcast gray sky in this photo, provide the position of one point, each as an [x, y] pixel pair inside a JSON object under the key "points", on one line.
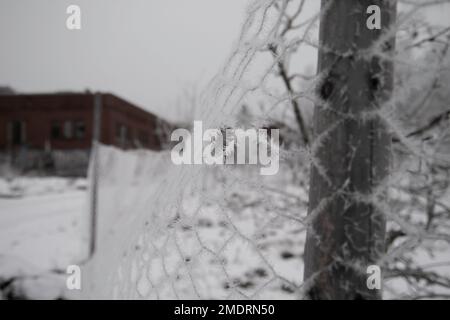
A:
{"points": [[147, 51]]}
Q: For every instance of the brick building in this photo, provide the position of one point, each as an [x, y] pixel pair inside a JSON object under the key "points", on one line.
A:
{"points": [[55, 131]]}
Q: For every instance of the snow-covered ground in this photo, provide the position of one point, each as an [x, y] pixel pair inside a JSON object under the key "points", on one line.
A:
{"points": [[230, 235], [170, 232], [41, 231]]}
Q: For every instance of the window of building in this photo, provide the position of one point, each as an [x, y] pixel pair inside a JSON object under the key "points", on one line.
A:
{"points": [[80, 129], [16, 132], [122, 135], [143, 138], [56, 131], [68, 129]]}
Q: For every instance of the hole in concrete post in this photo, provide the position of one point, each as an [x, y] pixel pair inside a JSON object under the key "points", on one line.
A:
{"points": [[374, 83], [326, 89]]}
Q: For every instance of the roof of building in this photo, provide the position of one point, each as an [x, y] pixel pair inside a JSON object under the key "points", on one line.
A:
{"points": [[64, 99]]}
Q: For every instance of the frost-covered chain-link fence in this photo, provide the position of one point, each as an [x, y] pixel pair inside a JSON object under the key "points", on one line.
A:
{"points": [[197, 231], [191, 232]]}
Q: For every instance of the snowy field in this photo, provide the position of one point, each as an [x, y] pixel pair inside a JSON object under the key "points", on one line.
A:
{"points": [[43, 230], [169, 232], [190, 232], [40, 232]]}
